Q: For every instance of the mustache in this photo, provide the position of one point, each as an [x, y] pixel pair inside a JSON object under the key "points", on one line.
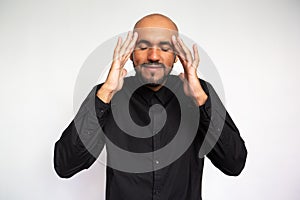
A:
{"points": [[158, 65]]}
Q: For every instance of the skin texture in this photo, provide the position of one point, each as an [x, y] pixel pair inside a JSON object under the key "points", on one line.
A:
{"points": [[156, 20], [154, 65], [153, 57], [147, 47]]}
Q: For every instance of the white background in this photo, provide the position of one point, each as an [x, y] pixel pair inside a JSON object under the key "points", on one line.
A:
{"points": [[255, 46]]}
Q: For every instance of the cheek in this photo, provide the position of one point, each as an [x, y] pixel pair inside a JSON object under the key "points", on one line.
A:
{"points": [[139, 59], [169, 61]]}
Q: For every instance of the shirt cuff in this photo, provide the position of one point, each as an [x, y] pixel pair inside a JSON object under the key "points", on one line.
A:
{"points": [[205, 109]]}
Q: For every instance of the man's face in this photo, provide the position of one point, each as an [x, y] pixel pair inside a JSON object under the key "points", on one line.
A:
{"points": [[153, 57]]}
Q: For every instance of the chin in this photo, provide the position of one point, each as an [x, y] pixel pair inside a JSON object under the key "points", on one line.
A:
{"points": [[153, 81]]}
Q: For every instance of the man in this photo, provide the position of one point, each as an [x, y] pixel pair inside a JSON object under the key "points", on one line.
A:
{"points": [[167, 123]]}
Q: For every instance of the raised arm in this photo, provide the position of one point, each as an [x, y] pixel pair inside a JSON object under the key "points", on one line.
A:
{"points": [[83, 140], [223, 144]]}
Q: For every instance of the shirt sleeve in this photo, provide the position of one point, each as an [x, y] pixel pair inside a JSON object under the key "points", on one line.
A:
{"points": [[82, 141], [222, 142]]}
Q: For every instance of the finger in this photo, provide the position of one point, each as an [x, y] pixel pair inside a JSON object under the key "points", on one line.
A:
{"points": [[178, 49], [132, 43], [117, 49], [186, 50], [126, 42], [196, 56], [124, 60]]}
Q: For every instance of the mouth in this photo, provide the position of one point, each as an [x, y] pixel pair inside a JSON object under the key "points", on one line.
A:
{"points": [[151, 66]]}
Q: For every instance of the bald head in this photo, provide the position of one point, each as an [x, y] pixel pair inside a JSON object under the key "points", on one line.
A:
{"points": [[157, 21]]}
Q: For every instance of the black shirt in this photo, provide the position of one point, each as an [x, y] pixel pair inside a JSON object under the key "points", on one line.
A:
{"points": [[172, 174]]}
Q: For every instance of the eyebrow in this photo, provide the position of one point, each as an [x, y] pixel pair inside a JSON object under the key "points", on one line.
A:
{"points": [[165, 43], [143, 42], [149, 43]]}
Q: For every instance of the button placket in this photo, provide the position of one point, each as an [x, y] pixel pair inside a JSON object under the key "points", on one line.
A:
{"points": [[157, 118]]}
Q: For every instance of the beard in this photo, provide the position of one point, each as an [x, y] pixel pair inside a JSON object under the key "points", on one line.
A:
{"points": [[152, 81]]}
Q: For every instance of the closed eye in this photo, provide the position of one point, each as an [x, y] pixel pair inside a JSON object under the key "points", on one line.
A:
{"points": [[165, 48], [142, 47]]}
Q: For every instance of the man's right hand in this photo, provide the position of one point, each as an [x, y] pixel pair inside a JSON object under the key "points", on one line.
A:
{"points": [[115, 79]]}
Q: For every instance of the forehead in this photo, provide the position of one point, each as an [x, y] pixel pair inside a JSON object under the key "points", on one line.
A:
{"points": [[155, 35]]}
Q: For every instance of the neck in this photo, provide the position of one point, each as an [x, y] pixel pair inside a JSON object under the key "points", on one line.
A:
{"points": [[154, 88]]}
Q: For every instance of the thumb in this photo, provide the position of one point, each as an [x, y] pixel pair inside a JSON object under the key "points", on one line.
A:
{"points": [[181, 76], [123, 73]]}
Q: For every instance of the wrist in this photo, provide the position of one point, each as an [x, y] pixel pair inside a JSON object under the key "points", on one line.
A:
{"points": [[201, 99], [105, 94]]}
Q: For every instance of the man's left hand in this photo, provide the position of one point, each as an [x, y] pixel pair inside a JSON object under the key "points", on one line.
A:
{"points": [[191, 83]]}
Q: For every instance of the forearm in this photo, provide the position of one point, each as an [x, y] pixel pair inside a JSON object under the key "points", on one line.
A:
{"points": [[82, 141], [70, 155], [229, 153], [223, 144]]}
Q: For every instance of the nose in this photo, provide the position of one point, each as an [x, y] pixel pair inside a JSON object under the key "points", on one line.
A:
{"points": [[154, 54]]}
